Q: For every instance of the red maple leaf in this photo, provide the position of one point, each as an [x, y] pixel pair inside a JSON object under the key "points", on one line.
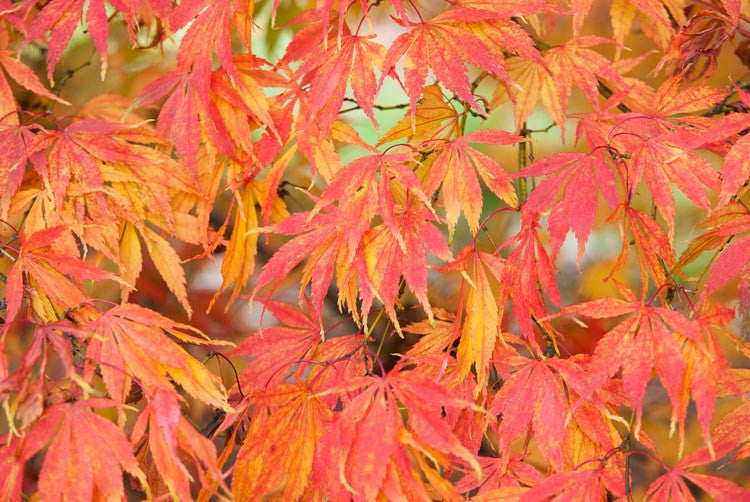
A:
{"points": [[329, 238], [47, 271], [370, 436], [79, 465], [277, 350], [123, 340], [388, 256], [453, 170], [21, 74], [60, 18], [575, 176], [262, 468], [328, 69], [649, 339], [170, 443], [532, 267], [544, 384], [671, 485], [443, 46]]}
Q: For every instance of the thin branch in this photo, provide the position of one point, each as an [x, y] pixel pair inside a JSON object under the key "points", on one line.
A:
{"points": [[607, 93], [356, 106], [70, 73], [721, 107]]}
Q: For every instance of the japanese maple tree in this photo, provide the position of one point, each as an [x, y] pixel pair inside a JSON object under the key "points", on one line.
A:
{"points": [[491, 249]]}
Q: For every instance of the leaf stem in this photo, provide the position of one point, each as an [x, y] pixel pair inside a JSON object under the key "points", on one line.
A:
{"points": [[419, 14], [626, 445], [382, 341], [522, 188], [478, 81], [214, 353], [483, 223]]}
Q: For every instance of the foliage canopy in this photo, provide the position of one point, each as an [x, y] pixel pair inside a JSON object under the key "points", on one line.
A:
{"points": [[435, 193]]}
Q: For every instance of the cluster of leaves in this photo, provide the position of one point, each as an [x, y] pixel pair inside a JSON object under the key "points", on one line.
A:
{"points": [[487, 401]]}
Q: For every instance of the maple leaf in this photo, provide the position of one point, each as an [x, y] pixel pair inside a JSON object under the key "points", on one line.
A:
{"points": [[672, 486], [733, 429], [707, 372], [666, 115], [735, 169], [372, 176], [22, 390], [534, 82], [435, 118], [501, 477], [732, 262], [440, 45], [276, 349], [498, 29], [209, 30], [362, 188], [585, 484], [319, 147], [435, 336], [531, 266], [23, 75], [590, 435], [262, 468], [570, 174], [390, 255], [653, 15], [60, 18], [168, 264], [75, 155], [328, 69], [272, 206], [574, 62], [46, 272], [124, 338], [181, 113], [239, 258], [21, 381], [650, 338], [11, 466], [335, 361], [552, 79], [199, 100], [170, 443], [654, 248], [658, 164], [324, 12], [723, 225], [672, 98], [14, 141], [76, 466], [481, 328], [370, 437], [654, 145], [101, 174], [240, 107], [703, 35], [508, 8], [541, 383], [329, 238], [453, 170]]}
